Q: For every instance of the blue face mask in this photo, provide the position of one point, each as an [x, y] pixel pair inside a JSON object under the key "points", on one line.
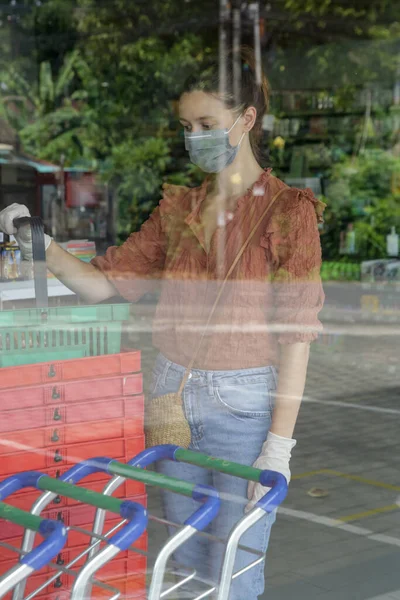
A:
{"points": [[211, 150]]}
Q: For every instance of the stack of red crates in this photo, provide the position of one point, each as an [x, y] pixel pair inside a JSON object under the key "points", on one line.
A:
{"points": [[53, 415]]}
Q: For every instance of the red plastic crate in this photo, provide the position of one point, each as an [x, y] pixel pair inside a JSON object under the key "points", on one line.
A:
{"points": [[60, 455], [75, 538], [117, 572], [77, 391], [69, 455], [67, 370], [132, 587], [25, 500], [61, 414], [117, 568], [48, 437], [19, 441], [128, 576], [126, 560]]}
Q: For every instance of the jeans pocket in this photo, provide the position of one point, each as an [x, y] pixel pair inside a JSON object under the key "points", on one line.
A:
{"points": [[251, 397], [165, 381], [156, 381]]}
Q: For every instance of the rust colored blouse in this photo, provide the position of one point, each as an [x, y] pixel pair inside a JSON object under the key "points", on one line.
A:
{"points": [[273, 296]]}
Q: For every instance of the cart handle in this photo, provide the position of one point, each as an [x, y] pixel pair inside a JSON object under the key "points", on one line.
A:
{"points": [[53, 532], [201, 493], [135, 513], [276, 481], [39, 257], [207, 495]]}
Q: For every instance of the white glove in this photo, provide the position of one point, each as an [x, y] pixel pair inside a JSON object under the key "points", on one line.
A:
{"points": [[24, 234], [275, 456]]}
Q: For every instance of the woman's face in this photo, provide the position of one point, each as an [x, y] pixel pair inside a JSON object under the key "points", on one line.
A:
{"points": [[199, 111]]}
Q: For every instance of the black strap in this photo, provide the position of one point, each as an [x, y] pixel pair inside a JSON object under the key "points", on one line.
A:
{"points": [[39, 258]]}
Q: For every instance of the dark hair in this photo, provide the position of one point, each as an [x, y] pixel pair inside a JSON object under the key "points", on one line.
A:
{"points": [[251, 93]]}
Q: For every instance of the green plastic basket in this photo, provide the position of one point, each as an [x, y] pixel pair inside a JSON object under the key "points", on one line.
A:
{"points": [[45, 334], [42, 335], [102, 313]]}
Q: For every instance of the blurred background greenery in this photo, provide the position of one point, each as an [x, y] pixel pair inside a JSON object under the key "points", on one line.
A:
{"points": [[94, 84]]}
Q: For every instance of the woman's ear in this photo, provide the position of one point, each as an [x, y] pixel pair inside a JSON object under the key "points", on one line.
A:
{"points": [[249, 116]]}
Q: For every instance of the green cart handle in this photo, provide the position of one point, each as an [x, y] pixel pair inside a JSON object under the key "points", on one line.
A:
{"points": [[53, 532], [276, 481], [172, 452]]}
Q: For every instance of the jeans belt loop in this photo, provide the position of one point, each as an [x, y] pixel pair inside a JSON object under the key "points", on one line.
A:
{"points": [[165, 371], [210, 383]]}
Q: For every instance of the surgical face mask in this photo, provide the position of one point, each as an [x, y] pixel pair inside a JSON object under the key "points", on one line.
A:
{"points": [[211, 150]]}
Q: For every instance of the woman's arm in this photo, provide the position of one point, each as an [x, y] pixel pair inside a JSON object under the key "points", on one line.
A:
{"points": [[80, 277], [293, 364], [129, 270], [293, 247], [276, 450]]}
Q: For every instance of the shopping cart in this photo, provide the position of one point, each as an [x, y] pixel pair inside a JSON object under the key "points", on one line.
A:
{"points": [[195, 524], [267, 504], [209, 498], [124, 538], [53, 532]]}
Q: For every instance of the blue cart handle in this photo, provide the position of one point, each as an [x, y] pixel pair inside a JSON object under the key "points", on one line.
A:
{"points": [[55, 537], [136, 514], [53, 532], [276, 495], [211, 503], [207, 495]]}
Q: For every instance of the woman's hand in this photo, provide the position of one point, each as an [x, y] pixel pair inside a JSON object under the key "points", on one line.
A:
{"points": [[275, 456], [23, 235], [82, 278], [277, 449]]}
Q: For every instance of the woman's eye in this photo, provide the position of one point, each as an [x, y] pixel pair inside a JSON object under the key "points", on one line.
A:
{"points": [[187, 128], [206, 126]]}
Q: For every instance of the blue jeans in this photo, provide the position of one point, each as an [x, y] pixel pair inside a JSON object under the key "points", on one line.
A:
{"points": [[229, 413]]}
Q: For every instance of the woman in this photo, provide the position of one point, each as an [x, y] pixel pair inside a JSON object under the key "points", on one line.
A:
{"points": [[235, 405]]}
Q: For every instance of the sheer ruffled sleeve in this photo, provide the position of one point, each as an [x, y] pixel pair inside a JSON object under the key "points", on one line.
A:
{"points": [[137, 265], [292, 245]]}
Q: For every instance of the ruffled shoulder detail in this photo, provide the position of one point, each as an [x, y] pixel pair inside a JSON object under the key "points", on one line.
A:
{"points": [[319, 206], [295, 200], [291, 205], [291, 213]]}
